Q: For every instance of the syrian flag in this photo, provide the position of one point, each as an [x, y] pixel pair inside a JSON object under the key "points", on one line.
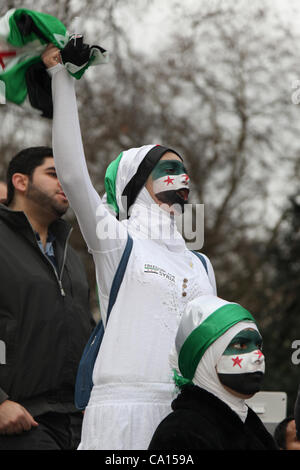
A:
{"points": [[24, 35]]}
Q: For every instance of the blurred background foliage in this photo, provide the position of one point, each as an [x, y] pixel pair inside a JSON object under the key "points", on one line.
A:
{"points": [[215, 80]]}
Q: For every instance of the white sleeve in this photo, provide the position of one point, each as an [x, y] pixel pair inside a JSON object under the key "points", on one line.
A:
{"points": [[73, 175]]}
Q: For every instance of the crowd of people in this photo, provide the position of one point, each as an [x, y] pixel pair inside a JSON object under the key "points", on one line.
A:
{"points": [[175, 364]]}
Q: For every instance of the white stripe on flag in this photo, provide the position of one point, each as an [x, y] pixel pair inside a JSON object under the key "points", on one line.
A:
{"points": [[4, 25]]}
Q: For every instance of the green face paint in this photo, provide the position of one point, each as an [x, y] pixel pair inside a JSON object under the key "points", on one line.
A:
{"points": [[167, 167], [171, 183], [242, 365], [244, 342]]}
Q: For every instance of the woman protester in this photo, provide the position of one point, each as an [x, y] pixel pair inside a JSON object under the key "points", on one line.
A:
{"points": [[132, 384], [218, 364]]}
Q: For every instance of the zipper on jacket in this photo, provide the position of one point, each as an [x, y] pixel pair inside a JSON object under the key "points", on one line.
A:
{"points": [[58, 278], [63, 264], [61, 288]]}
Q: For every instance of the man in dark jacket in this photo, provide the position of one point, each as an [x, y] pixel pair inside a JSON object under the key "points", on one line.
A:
{"points": [[45, 320]]}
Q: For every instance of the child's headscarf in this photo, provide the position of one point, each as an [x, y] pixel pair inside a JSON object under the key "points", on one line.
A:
{"points": [[207, 327]]}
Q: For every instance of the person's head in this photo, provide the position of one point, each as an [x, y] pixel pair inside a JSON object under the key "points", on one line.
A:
{"points": [[241, 367], [168, 183], [218, 347], [3, 191], [285, 434], [158, 169], [32, 182]]}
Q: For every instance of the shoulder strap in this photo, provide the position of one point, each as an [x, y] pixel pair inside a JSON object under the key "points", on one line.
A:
{"points": [[119, 276], [84, 379], [202, 259]]}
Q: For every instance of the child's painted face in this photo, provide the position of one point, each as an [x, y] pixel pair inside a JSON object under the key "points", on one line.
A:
{"points": [[242, 365], [170, 182]]}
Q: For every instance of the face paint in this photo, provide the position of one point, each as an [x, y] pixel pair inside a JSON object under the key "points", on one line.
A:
{"points": [[170, 182], [242, 365], [244, 342]]}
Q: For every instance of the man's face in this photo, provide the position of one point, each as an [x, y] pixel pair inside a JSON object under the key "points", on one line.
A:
{"points": [[45, 190], [3, 191]]}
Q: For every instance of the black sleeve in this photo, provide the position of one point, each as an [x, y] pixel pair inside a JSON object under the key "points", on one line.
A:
{"points": [[168, 438], [3, 396], [297, 414]]}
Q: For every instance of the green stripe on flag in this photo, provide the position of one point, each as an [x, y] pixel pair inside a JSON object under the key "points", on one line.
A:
{"points": [[15, 82], [53, 29]]}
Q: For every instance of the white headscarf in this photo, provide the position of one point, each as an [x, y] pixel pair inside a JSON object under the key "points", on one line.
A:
{"points": [[205, 375], [147, 219]]}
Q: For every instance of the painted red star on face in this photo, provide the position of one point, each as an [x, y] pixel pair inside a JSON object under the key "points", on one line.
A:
{"points": [[237, 361], [169, 180], [259, 354]]}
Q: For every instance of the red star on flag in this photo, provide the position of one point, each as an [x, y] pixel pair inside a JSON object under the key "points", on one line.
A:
{"points": [[6, 54], [237, 361], [169, 180], [259, 353]]}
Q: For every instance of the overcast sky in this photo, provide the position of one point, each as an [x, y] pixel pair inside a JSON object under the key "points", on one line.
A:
{"points": [[154, 28]]}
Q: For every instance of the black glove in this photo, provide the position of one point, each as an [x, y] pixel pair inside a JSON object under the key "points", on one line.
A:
{"points": [[76, 53]]}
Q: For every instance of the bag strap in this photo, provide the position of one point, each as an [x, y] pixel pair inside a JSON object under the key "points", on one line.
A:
{"points": [[202, 259], [117, 281], [84, 381], [119, 276]]}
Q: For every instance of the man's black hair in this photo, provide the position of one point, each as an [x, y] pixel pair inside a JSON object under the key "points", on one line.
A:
{"points": [[280, 432], [25, 162]]}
